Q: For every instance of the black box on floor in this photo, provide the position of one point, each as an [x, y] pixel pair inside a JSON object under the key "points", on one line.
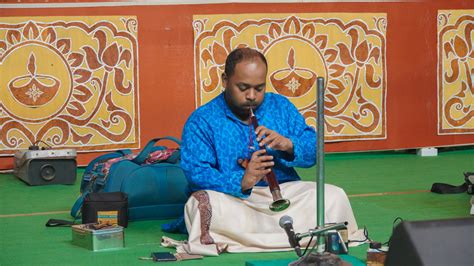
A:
{"points": [[432, 242], [105, 208]]}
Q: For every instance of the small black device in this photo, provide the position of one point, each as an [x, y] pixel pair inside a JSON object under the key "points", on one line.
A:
{"points": [[45, 167], [163, 256]]}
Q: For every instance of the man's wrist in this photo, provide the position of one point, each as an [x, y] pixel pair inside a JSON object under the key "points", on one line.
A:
{"points": [[244, 184], [291, 148]]}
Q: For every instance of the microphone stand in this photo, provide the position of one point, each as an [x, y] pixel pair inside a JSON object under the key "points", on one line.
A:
{"points": [[320, 257]]}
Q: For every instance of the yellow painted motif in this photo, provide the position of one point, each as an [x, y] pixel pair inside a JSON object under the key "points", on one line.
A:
{"points": [[455, 71], [348, 50], [68, 81]]}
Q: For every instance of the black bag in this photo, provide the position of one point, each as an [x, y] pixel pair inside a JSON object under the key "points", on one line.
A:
{"points": [[467, 186], [105, 207]]}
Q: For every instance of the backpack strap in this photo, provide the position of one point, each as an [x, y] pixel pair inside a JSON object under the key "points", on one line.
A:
{"points": [[442, 188], [57, 222], [75, 210], [143, 155], [124, 152]]}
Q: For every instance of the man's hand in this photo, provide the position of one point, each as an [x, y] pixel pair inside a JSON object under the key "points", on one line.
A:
{"points": [[257, 168], [273, 140]]}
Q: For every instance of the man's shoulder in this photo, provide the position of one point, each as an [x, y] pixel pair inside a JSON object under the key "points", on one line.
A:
{"points": [[207, 111], [276, 99]]}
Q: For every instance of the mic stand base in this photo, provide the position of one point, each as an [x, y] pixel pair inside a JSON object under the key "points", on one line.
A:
{"points": [[315, 259]]}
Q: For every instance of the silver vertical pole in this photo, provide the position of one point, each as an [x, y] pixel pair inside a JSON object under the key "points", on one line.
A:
{"points": [[320, 153]]}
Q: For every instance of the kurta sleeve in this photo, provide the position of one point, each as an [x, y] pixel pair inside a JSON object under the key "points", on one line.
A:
{"points": [[200, 163], [303, 138]]}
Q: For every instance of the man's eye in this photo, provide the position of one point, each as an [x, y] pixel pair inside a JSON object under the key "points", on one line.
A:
{"points": [[242, 87], [260, 88]]}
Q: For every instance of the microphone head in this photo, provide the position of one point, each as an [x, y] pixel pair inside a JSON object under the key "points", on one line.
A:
{"points": [[285, 219]]}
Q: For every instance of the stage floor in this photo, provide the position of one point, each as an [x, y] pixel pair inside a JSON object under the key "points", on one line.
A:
{"points": [[381, 186]]}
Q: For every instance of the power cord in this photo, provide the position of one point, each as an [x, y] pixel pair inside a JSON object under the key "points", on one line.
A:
{"points": [[312, 248], [366, 235], [307, 246], [397, 221], [35, 145], [378, 245]]}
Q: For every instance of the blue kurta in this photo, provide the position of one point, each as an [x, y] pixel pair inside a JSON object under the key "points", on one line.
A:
{"points": [[214, 139]]}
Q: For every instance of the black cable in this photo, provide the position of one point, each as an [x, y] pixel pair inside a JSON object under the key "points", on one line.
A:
{"points": [[379, 250], [315, 244], [40, 141], [394, 224], [307, 246], [366, 234]]}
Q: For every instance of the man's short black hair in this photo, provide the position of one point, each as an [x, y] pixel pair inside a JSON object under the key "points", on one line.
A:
{"points": [[238, 55]]}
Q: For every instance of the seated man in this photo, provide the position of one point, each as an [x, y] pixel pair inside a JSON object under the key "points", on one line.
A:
{"points": [[226, 162]]}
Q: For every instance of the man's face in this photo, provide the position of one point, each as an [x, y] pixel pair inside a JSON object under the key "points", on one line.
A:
{"points": [[245, 89]]}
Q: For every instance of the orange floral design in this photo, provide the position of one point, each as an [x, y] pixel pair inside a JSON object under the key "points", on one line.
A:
{"points": [[64, 99], [456, 66], [348, 53], [214, 56]]}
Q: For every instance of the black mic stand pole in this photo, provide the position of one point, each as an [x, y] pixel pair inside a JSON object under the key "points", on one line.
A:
{"points": [[320, 257]]}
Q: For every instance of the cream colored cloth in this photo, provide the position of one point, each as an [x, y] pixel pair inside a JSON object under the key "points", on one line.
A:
{"points": [[218, 222]]}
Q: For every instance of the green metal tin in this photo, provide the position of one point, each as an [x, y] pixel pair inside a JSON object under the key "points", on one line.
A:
{"points": [[85, 236]]}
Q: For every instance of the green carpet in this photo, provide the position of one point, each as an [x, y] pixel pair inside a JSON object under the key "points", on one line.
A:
{"points": [[24, 239]]}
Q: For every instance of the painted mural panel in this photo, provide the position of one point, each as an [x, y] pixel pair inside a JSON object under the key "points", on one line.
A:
{"points": [[68, 82], [348, 50], [455, 72]]}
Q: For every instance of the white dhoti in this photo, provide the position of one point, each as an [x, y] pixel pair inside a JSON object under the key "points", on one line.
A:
{"points": [[218, 222]]}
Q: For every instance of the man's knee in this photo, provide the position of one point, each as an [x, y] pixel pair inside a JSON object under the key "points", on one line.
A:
{"points": [[335, 190]]}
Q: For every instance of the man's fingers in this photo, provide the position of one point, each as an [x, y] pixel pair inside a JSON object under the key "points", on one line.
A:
{"points": [[259, 156], [258, 153], [259, 130], [264, 165], [267, 171], [267, 141], [262, 173], [265, 158], [262, 133], [243, 163]]}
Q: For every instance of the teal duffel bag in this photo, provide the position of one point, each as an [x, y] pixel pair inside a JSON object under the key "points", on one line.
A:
{"points": [[152, 179]]}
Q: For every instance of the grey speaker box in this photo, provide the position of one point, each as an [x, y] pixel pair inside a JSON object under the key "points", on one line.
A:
{"points": [[45, 167], [433, 242]]}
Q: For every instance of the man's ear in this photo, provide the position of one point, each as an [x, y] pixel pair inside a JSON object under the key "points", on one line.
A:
{"points": [[224, 80]]}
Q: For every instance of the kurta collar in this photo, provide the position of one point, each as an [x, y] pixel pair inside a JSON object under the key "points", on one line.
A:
{"points": [[259, 113]]}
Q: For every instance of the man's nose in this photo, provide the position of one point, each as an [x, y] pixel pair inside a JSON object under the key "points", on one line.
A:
{"points": [[251, 95]]}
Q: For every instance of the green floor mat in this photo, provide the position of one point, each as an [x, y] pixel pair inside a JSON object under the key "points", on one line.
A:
{"points": [[366, 178]]}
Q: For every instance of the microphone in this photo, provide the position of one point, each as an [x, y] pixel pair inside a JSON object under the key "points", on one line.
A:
{"points": [[286, 222]]}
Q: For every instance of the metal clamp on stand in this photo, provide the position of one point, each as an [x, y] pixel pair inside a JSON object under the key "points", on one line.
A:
{"points": [[318, 231], [331, 245]]}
